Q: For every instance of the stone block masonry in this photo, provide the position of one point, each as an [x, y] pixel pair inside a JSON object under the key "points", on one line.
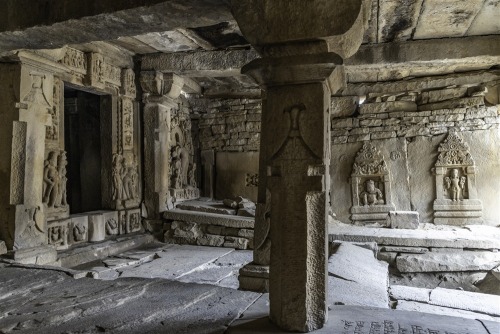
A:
{"points": [[231, 125]]}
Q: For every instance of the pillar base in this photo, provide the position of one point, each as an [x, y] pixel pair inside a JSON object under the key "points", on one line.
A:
{"points": [[254, 277]]}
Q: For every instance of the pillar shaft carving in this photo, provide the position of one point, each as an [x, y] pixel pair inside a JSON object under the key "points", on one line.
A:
{"points": [[299, 76]]}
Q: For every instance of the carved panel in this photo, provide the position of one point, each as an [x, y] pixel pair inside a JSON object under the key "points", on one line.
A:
{"points": [[75, 59], [96, 70], [79, 228], [112, 227], [52, 131], [127, 124], [134, 221], [58, 234], [128, 83], [54, 184], [112, 74], [125, 185]]}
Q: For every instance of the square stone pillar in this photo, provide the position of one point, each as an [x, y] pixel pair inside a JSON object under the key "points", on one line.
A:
{"points": [[159, 96], [296, 154]]}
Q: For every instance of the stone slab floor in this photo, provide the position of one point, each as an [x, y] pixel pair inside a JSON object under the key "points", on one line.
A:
{"points": [[160, 288]]}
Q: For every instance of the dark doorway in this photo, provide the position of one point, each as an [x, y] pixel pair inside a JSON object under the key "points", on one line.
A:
{"points": [[82, 124]]}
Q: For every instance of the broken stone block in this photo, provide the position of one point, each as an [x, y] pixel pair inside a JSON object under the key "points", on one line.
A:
{"points": [[210, 240], [385, 107], [97, 227], [238, 243], [3, 247], [36, 255], [453, 104], [442, 95], [491, 283], [344, 106], [403, 220], [448, 262]]}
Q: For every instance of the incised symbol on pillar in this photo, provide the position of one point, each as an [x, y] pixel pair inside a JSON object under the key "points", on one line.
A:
{"points": [[54, 180]]}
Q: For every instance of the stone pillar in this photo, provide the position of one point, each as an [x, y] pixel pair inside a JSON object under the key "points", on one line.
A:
{"points": [[302, 44], [27, 103], [160, 92]]}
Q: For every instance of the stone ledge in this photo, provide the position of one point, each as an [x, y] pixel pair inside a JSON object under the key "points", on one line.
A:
{"points": [[414, 238], [210, 218]]}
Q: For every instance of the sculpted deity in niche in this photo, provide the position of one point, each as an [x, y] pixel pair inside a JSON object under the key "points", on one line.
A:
{"points": [[372, 195], [118, 174], [455, 184], [54, 180], [130, 179]]}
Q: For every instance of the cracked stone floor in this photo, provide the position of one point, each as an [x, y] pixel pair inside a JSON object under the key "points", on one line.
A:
{"points": [[161, 288]]}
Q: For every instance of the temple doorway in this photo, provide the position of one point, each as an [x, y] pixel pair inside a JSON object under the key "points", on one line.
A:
{"points": [[83, 129]]}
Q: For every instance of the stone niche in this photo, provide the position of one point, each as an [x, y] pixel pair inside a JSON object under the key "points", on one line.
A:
{"points": [[183, 184], [456, 200], [370, 188]]}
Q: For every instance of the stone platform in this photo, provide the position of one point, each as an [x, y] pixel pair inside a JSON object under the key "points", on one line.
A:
{"points": [[367, 320], [208, 229]]}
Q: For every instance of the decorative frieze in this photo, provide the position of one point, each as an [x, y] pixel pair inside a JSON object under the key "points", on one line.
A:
{"points": [[127, 124], [75, 59], [52, 131]]}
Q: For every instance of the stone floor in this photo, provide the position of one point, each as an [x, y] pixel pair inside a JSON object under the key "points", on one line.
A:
{"points": [[160, 288]]}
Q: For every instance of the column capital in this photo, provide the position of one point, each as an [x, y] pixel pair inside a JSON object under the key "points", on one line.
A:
{"points": [[293, 70], [160, 87]]}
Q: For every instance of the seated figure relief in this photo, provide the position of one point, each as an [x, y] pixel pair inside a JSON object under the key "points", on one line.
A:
{"points": [[372, 195]]}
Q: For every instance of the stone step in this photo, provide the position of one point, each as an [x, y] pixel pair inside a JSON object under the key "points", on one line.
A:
{"points": [[447, 301], [448, 261], [210, 218], [353, 271], [97, 251], [480, 237]]}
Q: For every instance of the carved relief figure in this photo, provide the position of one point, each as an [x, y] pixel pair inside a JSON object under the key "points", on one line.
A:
{"points": [[58, 235], [455, 184], [372, 195], [118, 174], [62, 162], [130, 179], [51, 180], [192, 175], [79, 232], [111, 227]]}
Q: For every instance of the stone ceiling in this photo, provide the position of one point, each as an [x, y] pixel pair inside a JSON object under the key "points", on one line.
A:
{"points": [[400, 31]]}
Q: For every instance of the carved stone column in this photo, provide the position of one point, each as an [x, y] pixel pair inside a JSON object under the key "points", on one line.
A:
{"points": [[160, 92], [299, 72]]}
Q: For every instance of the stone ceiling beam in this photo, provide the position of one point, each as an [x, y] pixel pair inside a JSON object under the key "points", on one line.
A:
{"points": [[35, 25], [224, 63], [400, 60]]}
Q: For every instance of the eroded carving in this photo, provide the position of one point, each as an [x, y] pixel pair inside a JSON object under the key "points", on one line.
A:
{"points": [[127, 124], [456, 200], [125, 177], [52, 131], [79, 233], [54, 178], [112, 227], [75, 58], [58, 235], [370, 187], [128, 83], [372, 195]]}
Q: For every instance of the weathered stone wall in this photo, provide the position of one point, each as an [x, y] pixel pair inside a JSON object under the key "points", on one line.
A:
{"points": [[231, 125], [408, 129]]}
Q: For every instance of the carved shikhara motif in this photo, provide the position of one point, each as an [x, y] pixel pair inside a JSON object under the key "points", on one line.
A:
{"points": [[370, 187], [456, 200], [54, 180]]}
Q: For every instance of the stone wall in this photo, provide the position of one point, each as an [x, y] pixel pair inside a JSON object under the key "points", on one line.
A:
{"points": [[231, 125], [408, 129]]}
